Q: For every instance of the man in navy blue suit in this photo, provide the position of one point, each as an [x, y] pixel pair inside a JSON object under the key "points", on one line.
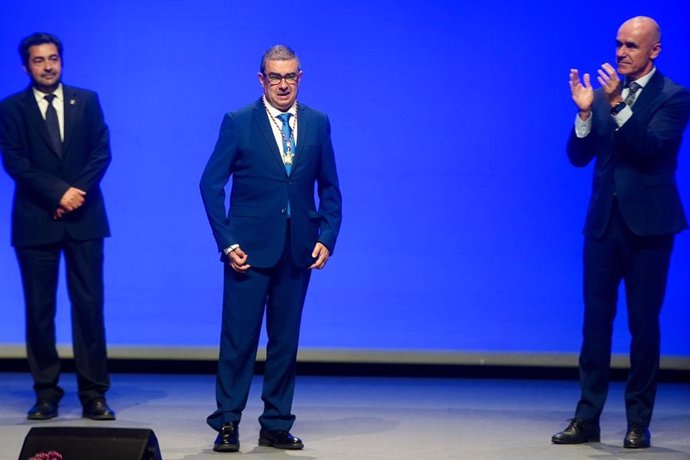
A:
{"points": [[632, 128], [56, 146], [277, 152]]}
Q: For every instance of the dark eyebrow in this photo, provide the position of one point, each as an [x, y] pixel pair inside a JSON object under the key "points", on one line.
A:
{"points": [[627, 44]]}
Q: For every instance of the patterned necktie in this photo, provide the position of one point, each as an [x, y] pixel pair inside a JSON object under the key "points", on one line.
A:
{"points": [[632, 89], [288, 148], [52, 124]]}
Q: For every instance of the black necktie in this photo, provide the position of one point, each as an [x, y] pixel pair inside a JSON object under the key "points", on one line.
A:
{"points": [[53, 124]]}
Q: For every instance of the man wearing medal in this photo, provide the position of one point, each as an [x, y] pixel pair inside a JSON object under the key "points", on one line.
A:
{"points": [[276, 151]]}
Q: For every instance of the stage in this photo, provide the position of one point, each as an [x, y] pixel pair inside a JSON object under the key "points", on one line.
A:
{"points": [[366, 418]]}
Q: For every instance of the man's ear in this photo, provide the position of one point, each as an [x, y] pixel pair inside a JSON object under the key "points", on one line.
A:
{"points": [[656, 50]]}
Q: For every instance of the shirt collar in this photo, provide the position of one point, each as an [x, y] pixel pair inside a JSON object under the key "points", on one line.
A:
{"points": [[59, 95], [275, 112], [642, 81]]}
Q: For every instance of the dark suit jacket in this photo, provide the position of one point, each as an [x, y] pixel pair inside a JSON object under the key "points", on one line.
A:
{"points": [[42, 176], [257, 219], [636, 163]]}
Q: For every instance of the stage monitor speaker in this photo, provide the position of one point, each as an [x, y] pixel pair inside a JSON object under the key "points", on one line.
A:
{"points": [[85, 443]]}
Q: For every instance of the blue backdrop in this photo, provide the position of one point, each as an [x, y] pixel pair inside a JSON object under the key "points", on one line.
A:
{"points": [[462, 215]]}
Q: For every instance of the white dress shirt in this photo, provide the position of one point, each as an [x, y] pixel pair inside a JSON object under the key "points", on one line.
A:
{"points": [[277, 125]]}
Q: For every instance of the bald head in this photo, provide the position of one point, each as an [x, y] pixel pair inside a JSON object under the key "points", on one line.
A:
{"points": [[638, 44], [644, 25]]}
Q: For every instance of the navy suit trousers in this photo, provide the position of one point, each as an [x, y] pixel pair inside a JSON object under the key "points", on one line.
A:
{"points": [[280, 291], [642, 262]]}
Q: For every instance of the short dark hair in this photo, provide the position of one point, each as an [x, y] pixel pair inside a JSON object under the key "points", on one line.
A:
{"points": [[37, 38], [277, 53]]}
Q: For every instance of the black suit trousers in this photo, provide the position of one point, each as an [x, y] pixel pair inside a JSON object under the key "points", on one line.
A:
{"points": [[642, 263], [39, 267]]}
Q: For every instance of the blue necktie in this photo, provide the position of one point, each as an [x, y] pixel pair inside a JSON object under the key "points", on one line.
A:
{"points": [[287, 135], [288, 148], [52, 124]]}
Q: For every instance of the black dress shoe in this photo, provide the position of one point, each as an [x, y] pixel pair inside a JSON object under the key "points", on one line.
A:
{"points": [[637, 437], [97, 409], [577, 432], [280, 440], [44, 409], [228, 439]]}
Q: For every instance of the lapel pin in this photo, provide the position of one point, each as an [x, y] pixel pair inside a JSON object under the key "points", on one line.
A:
{"points": [[72, 102]]}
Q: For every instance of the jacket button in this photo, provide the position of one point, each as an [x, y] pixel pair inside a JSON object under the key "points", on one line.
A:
{"points": [[283, 211]]}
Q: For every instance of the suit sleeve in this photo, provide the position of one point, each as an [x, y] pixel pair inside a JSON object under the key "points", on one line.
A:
{"points": [[658, 138], [99, 148], [214, 179], [328, 189], [46, 187], [581, 150]]}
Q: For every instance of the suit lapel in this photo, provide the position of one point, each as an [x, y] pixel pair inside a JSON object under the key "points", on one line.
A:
{"points": [[302, 132], [650, 92], [261, 120], [35, 118], [71, 105]]}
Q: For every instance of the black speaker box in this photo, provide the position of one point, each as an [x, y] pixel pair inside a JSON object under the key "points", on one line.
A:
{"points": [[77, 443]]}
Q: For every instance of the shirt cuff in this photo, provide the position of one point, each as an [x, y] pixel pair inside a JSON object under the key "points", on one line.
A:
{"points": [[583, 127], [623, 116], [229, 249]]}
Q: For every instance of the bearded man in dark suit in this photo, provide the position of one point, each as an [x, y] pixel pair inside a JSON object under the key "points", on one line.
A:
{"points": [[55, 146]]}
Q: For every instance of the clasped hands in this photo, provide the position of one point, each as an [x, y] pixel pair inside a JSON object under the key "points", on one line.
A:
{"points": [[583, 93], [72, 200], [238, 258]]}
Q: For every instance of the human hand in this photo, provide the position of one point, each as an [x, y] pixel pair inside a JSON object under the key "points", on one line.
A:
{"points": [[238, 260], [59, 212], [321, 254], [72, 199], [582, 93], [612, 85]]}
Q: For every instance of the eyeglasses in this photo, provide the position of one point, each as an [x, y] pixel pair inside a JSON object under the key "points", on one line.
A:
{"points": [[275, 78]]}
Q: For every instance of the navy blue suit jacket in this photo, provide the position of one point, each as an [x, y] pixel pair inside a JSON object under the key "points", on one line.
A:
{"points": [[636, 163], [42, 176], [246, 150]]}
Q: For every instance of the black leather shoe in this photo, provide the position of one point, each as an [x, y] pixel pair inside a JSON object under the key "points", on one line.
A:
{"points": [[280, 440], [228, 439], [637, 437], [97, 409], [44, 409], [577, 432]]}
